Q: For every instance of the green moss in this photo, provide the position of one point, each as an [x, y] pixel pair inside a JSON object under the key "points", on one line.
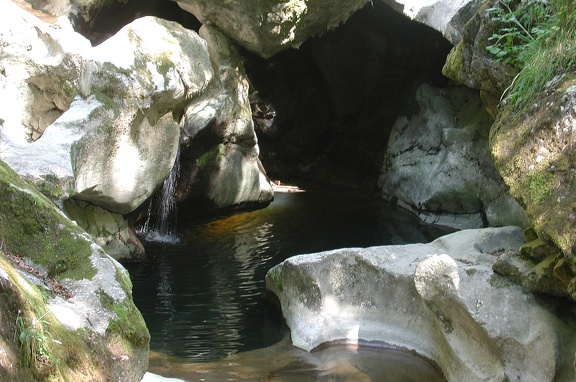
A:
{"points": [[106, 101], [31, 226], [209, 157], [128, 324], [497, 281], [52, 351], [540, 186], [453, 68]]}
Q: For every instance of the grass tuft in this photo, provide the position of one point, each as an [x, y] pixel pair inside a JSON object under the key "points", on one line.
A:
{"points": [[544, 58]]}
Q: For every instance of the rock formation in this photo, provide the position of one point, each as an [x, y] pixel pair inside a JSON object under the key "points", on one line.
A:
{"points": [[66, 308], [532, 153], [220, 164], [268, 27], [446, 16], [441, 300], [438, 163], [535, 155], [104, 127]]}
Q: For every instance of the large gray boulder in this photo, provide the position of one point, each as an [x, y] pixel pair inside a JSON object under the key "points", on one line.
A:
{"points": [[117, 136], [267, 27], [441, 300], [104, 127], [438, 163]]}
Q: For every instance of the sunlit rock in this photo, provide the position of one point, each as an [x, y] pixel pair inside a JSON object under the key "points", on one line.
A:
{"points": [[267, 27], [446, 16], [534, 152], [118, 132], [441, 300], [220, 165], [438, 163]]}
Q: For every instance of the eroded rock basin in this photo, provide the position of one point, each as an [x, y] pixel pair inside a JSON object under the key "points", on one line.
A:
{"points": [[442, 300], [284, 362]]}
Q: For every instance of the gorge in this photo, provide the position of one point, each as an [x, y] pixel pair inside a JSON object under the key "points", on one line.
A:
{"points": [[399, 101]]}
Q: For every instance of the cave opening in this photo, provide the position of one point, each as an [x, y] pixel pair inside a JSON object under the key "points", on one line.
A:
{"points": [[324, 111]]}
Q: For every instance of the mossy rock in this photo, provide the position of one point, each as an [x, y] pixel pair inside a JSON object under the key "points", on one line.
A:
{"points": [[31, 226], [470, 64], [534, 153], [74, 301]]}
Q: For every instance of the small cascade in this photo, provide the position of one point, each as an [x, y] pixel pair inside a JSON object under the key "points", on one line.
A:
{"points": [[160, 224]]}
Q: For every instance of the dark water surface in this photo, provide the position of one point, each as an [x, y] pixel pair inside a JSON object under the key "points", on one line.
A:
{"points": [[203, 297]]}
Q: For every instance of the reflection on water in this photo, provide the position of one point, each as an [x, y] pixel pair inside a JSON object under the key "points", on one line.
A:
{"points": [[203, 297]]}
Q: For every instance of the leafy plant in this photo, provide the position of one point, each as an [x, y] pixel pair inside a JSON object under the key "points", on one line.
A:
{"points": [[539, 38], [520, 24]]}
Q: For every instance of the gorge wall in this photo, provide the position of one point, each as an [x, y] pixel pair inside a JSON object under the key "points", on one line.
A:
{"points": [[99, 103]]}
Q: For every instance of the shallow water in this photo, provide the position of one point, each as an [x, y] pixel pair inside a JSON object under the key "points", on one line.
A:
{"points": [[203, 296], [282, 362]]}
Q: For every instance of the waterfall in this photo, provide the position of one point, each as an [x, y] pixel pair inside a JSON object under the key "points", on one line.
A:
{"points": [[160, 224]]}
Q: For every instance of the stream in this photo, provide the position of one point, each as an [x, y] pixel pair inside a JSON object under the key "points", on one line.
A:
{"points": [[203, 297]]}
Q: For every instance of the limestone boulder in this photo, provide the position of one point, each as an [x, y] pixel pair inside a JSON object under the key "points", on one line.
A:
{"points": [[220, 165], [267, 27], [115, 234], [441, 300], [446, 16], [438, 163], [117, 134], [470, 64], [534, 152], [63, 297]]}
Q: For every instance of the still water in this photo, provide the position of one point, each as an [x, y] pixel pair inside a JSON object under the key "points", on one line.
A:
{"points": [[203, 296]]}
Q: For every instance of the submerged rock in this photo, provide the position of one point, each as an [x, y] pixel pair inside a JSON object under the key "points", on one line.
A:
{"points": [[441, 300]]}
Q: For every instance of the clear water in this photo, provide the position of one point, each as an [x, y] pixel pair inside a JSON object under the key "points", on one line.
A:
{"points": [[203, 295]]}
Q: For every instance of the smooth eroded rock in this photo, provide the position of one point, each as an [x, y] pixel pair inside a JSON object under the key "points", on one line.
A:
{"points": [[441, 300]]}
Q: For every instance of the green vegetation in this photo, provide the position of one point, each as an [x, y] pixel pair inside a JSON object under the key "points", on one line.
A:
{"points": [[539, 38], [518, 29], [128, 325], [30, 225], [48, 351], [540, 186], [33, 341]]}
